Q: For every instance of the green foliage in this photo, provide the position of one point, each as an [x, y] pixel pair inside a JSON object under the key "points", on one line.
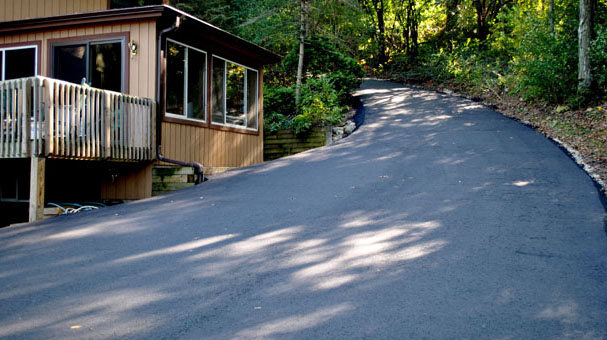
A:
{"points": [[319, 105], [526, 49], [279, 105], [332, 76], [280, 99], [599, 59], [322, 58], [543, 62], [344, 83]]}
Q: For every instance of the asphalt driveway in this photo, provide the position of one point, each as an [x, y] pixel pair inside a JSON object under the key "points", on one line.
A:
{"points": [[436, 219]]}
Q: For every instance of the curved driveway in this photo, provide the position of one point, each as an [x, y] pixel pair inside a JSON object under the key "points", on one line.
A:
{"points": [[436, 219]]}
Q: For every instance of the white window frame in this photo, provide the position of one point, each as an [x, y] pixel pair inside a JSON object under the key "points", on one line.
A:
{"points": [[12, 48], [246, 85], [184, 116]]}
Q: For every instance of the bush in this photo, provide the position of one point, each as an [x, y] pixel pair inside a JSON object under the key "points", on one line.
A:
{"points": [[279, 106], [544, 63], [599, 59], [319, 105], [343, 83], [322, 58], [330, 79]]}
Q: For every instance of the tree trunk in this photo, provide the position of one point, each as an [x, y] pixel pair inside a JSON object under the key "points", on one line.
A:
{"points": [[412, 29], [303, 32], [378, 5], [584, 37]]}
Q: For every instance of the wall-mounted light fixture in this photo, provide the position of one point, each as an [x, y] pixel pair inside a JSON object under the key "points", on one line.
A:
{"points": [[133, 48]]}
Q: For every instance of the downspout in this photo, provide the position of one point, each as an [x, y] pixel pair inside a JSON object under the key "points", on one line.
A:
{"points": [[198, 169]]}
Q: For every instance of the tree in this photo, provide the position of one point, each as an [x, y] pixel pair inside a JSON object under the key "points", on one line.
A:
{"points": [[584, 38], [486, 12], [451, 12], [304, 27], [376, 10]]}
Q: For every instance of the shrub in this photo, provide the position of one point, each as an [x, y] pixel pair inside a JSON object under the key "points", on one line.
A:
{"points": [[279, 106], [599, 58], [319, 105]]}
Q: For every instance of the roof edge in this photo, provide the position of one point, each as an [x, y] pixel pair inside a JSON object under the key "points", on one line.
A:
{"points": [[81, 18], [131, 13]]}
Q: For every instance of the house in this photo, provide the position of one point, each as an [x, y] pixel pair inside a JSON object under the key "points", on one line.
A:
{"points": [[93, 98]]}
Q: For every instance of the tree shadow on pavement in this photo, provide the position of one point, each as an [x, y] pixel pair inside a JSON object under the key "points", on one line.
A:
{"points": [[436, 219]]}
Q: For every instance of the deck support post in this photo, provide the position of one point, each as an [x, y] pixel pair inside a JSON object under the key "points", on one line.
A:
{"points": [[37, 179]]}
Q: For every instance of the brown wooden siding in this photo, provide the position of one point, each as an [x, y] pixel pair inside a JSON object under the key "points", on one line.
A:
{"points": [[141, 68], [213, 147], [132, 181], [210, 147], [13, 10], [141, 82]]}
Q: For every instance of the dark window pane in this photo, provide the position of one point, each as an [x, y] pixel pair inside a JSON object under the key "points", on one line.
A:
{"points": [[8, 187], [69, 63], [23, 187], [197, 67], [251, 99], [175, 77], [106, 66], [235, 110], [20, 63], [217, 93]]}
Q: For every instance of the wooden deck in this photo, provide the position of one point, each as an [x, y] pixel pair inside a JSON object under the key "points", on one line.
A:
{"points": [[44, 117]]}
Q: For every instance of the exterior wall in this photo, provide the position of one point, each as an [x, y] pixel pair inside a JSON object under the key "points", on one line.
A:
{"points": [[214, 146], [13, 10], [141, 82], [141, 68], [211, 147], [285, 142], [131, 181]]}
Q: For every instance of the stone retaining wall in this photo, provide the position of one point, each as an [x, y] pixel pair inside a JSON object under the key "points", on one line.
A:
{"points": [[284, 142]]}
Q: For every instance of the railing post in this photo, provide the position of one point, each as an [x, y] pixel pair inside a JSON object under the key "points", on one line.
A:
{"points": [[49, 116], [37, 178], [26, 145], [107, 124]]}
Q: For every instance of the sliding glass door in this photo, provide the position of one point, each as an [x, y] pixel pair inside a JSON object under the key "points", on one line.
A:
{"points": [[99, 64]]}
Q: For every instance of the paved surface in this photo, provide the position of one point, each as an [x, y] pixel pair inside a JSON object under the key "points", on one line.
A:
{"points": [[436, 219]]}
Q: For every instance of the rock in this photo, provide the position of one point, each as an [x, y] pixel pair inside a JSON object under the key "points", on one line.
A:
{"points": [[562, 108], [350, 126], [447, 91], [338, 131]]}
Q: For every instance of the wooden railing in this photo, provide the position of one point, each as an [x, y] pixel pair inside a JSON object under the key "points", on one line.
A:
{"points": [[46, 117]]}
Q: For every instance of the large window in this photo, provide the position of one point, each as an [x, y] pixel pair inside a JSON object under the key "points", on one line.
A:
{"points": [[98, 63], [18, 62], [186, 76], [234, 100]]}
